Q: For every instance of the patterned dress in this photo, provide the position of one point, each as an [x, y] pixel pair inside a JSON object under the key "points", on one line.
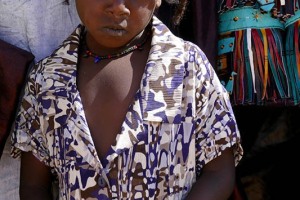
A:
{"points": [[181, 119]]}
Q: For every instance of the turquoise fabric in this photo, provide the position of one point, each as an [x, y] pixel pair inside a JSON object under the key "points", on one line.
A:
{"points": [[225, 45], [246, 17]]}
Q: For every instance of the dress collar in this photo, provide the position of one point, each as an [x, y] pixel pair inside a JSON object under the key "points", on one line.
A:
{"points": [[163, 79], [160, 92], [162, 82]]}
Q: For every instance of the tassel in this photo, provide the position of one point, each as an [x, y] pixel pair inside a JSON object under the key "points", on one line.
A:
{"points": [[249, 82], [259, 74], [292, 60], [238, 66]]}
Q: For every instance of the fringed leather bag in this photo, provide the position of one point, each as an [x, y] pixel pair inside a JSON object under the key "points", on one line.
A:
{"points": [[252, 48]]}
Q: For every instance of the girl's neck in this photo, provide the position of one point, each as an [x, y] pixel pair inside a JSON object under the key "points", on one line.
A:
{"points": [[90, 43], [136, 43]]}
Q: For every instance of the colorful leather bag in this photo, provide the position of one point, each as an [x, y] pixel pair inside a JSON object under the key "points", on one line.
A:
{"points": [[252, 61]]}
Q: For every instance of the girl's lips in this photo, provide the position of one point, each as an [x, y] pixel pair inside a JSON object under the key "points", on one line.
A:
{"points": [[114, 30], [116, 27]]}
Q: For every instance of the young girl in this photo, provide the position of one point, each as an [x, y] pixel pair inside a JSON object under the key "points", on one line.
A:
{"points": [[124, 109]]}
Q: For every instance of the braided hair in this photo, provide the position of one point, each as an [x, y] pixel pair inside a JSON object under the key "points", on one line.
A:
{"points": [[180, 7]]}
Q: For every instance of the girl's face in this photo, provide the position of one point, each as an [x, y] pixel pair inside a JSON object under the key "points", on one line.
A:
{"points": [[114, 23]]}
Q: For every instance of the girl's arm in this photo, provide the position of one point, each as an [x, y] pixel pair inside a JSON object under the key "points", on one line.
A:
{"points": [[35, 180], [217, 179]]}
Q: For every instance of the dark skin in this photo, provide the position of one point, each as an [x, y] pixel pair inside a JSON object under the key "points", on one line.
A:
{"points": [[35, 178], [217, 179], [105, 113]]}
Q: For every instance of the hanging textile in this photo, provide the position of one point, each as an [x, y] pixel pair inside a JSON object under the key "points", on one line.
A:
{"points": [[252, 62]]}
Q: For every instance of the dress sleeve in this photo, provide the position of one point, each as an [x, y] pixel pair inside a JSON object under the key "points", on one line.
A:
{"points": [[216, 127], [27, 134]]}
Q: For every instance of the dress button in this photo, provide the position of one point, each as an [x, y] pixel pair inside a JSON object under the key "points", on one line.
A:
{"points": [[101, 181]]}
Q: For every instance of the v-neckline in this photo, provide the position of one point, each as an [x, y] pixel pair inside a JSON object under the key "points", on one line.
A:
{"points": [[125, 139]]}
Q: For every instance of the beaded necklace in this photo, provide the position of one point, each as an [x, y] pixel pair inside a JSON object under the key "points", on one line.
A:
{"points": [[88, 53]]}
